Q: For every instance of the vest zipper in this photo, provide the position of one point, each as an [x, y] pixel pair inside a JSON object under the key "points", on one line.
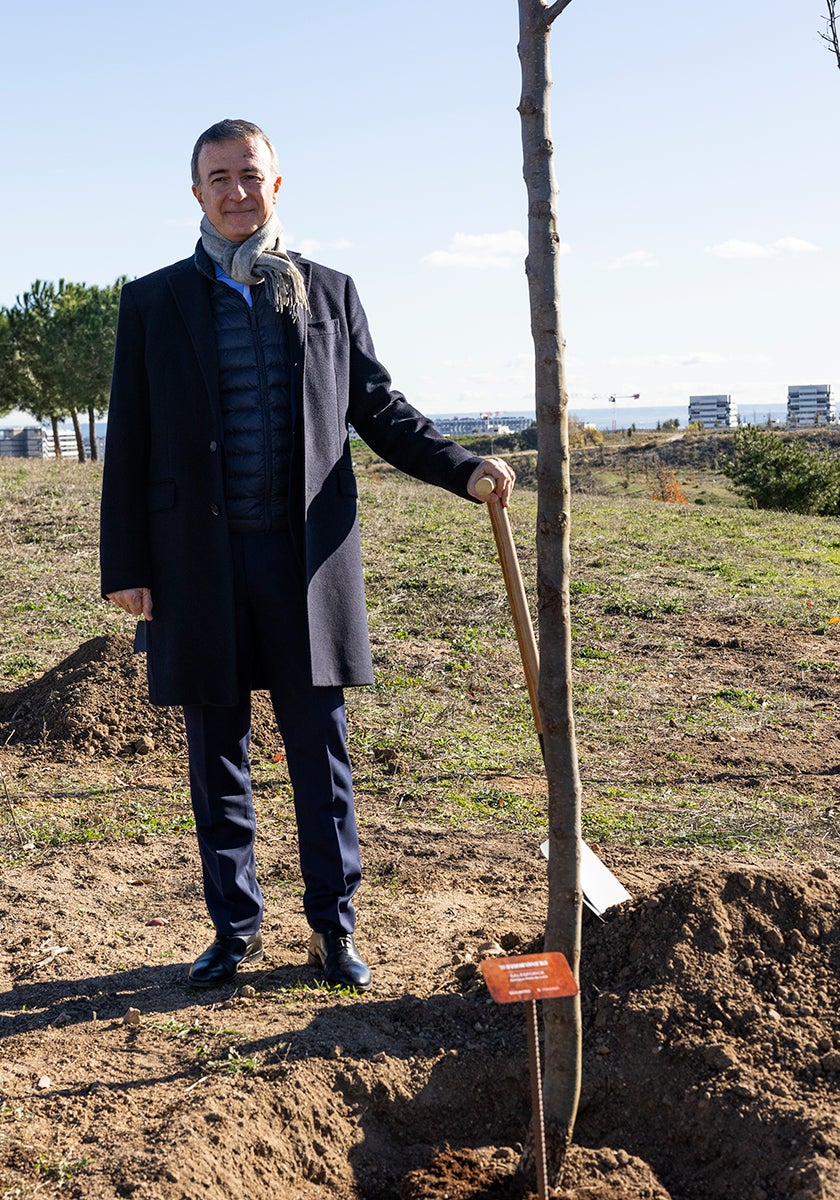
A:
{"points": [[265, 412]]}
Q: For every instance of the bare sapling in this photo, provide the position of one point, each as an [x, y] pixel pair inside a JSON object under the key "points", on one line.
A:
{"points": [[562, 1017]]}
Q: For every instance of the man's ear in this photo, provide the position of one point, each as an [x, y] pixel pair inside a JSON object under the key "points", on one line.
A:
{"points": [[277, 183], [196, 191]]}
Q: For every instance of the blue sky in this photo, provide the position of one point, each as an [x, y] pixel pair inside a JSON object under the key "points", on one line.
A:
{"points": [[695, 155]]}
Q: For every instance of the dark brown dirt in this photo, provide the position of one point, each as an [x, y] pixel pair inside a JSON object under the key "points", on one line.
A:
{"points": [[714, 657], [711, 1004], [95, 703]]}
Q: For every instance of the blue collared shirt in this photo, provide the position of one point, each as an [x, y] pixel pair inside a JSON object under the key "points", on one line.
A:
{"points": [[244, 289]]}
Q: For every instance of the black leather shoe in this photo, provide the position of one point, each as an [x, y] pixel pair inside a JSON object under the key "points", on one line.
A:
{"points": [[220, 962], [340, 962]]}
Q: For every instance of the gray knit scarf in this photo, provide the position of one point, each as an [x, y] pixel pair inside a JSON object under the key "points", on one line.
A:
{"points": [[261, 258]]}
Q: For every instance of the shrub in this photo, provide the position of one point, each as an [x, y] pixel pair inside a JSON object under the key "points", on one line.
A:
{"points": [[668, 488], [781, 473], [583, 435]]}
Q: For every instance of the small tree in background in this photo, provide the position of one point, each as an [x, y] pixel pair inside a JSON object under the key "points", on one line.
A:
{"points": [[87, 317], [781, 473], [668, 487], [56, 354], [35, 354], [10, 383]]}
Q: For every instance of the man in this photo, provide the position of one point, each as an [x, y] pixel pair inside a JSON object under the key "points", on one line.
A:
{"points": [[229, 526]]}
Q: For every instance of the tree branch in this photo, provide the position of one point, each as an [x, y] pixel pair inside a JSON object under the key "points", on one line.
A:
{"points": [[555, 9], [831, 25]]}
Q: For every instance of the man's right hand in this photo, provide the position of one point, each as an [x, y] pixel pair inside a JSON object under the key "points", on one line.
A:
{"points": [[137, 601]]}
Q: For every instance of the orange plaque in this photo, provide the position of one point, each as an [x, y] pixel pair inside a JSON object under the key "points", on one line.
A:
{"points": [[528, 977]]}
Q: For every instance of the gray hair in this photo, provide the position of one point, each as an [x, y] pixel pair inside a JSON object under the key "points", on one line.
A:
{"points": [[231, 130]]}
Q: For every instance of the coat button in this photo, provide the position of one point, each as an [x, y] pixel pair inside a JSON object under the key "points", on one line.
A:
{"points": [[213, 447], [214, 508]]}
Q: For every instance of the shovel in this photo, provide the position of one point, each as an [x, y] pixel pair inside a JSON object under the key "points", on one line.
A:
{"points": [[601, 890]]}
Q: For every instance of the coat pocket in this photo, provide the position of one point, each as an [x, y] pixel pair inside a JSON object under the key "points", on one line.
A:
{"points": [[160, 494], [324, 328]]}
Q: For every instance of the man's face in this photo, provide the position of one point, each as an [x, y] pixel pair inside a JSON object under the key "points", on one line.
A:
{"points": [[237, 188]]}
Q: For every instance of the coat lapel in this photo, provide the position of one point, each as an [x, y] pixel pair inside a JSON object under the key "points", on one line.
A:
{"points": [[193, 301]]}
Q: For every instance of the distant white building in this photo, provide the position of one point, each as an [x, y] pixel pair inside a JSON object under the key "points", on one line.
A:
{"points": [[35, 442], [712, 412], [810, 405], [22, 442]]}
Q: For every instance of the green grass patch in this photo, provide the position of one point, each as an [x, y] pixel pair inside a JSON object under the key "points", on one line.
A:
{"points": [[60, 1172], [764, 821]]}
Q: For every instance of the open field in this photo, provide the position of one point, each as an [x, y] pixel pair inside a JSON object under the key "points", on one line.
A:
{"points": [[707, 653]]}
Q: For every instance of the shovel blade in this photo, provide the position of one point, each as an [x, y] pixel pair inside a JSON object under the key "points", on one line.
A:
{"points": [[601, 890]]}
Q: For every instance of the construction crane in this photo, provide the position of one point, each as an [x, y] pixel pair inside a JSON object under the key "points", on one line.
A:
{"points": [[612, 400], [603, 396]]}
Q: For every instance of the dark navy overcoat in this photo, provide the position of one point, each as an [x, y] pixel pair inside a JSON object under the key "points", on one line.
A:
{"points": [[163, 523]]}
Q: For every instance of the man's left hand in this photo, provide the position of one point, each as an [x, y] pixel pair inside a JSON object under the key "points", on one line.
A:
{"points": [[502, 476]]}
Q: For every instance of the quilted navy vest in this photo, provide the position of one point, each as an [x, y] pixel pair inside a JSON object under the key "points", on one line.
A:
{"points": [[255, 388]]}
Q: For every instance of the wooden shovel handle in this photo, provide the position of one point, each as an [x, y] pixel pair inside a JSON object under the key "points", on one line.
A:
{"points": [[516, 595]]}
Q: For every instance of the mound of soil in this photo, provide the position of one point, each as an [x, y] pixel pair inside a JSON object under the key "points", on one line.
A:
{"points": [[95, 702], [713, 1008]]}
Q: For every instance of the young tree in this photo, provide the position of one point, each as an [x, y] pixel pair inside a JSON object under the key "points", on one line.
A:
{"points": [[87, 320], [60, 336], [10, 381], [37, 355], [561, 1085]]}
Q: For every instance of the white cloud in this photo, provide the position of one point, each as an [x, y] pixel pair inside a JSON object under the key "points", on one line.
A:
{"points": [[688, 358], [736, 249], [480, 250], [636, 258], [795, 245], [739, 249], [311, 246]]}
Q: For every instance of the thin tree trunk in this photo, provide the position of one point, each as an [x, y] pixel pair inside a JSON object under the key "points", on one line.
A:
{"points": [[77, 430], [94, 449], [562, 1019], [56, 437]]}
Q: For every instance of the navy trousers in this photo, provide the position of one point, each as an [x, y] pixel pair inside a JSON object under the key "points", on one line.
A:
{"points": [[273, 645]]}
